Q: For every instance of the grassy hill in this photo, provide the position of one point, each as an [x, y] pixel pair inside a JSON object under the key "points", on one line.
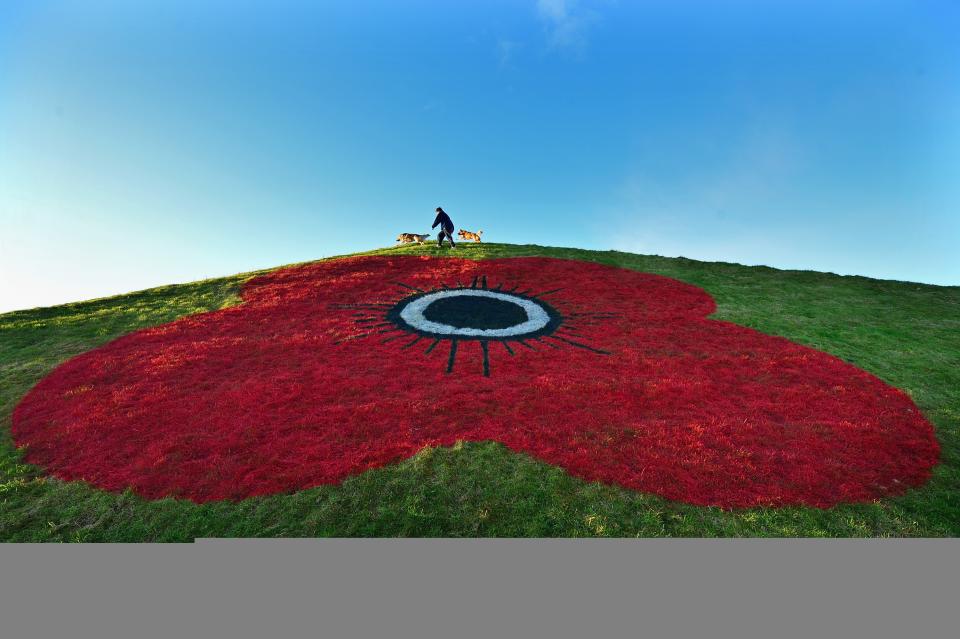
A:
{"points": [[905, 333]]}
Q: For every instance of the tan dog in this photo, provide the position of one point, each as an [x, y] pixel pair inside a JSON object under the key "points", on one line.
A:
{"points": [[407, 238], [467, 235]]}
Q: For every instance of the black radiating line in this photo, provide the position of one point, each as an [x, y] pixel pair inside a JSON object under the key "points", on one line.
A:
{"points": [[547, 343], [513, 289], [484, 279], [383, 324], [578, 344], [547, 292], [486, 359], [507, 346], [569, 327], [412, 288], [523, 343], [366, 321], [388, 330], [453, 355], [419, 337], [347, 339], [473, 284], [524, 291], [430, 348], [377, 305], [594, 314], [390, 339]]}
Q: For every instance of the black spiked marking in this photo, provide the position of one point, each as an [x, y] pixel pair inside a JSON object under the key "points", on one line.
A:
{"points": [[569, 327], [372, 305], [579, 345], [384, 319], [412, 288], [604, 315], [554, 346], [409, 344], [453, 355], [548, 292]]}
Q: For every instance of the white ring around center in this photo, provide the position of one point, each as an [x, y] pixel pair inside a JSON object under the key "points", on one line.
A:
{"points": [[412, 314]]}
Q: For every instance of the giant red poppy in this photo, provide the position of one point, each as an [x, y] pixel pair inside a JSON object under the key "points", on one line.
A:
{"points": [[330, 369]]}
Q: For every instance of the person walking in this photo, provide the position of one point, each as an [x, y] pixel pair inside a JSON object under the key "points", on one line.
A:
{"points": [[446, 228]]}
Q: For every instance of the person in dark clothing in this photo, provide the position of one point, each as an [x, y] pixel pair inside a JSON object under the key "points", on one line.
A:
{"points": [[446, 227]]}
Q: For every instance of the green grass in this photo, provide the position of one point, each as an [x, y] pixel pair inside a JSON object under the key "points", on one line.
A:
{"points": [[907, 334]]}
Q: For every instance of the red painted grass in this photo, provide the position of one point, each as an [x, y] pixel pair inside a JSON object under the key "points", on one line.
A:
{"points": [[259, 398]]}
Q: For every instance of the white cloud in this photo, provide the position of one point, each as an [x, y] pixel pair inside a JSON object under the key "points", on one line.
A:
{"points": [[553, 9], [566, 22]]}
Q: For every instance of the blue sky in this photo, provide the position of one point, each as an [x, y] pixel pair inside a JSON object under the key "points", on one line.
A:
{"points": [[156, 142]]}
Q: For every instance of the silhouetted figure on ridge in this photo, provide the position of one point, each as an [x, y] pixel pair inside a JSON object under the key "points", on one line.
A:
{"points": [[446, 227]]}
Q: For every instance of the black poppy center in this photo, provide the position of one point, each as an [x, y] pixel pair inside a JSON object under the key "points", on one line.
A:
{"points": [[474, 311]]}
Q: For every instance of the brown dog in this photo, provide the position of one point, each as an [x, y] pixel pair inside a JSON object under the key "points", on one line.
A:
{"points": [[407, 238], [467, 235]]}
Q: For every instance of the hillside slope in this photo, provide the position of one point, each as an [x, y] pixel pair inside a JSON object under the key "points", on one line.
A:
{"points": [[906, 334]]}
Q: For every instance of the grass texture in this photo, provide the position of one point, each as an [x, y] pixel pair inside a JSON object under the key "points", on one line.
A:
{"points": [[907, 334]]}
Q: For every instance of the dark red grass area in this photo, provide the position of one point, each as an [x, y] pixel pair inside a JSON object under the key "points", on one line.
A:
{"points": [[261, 398]]}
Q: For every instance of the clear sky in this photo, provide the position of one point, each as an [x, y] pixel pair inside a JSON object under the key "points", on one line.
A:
{"points": [[145, 143]]}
